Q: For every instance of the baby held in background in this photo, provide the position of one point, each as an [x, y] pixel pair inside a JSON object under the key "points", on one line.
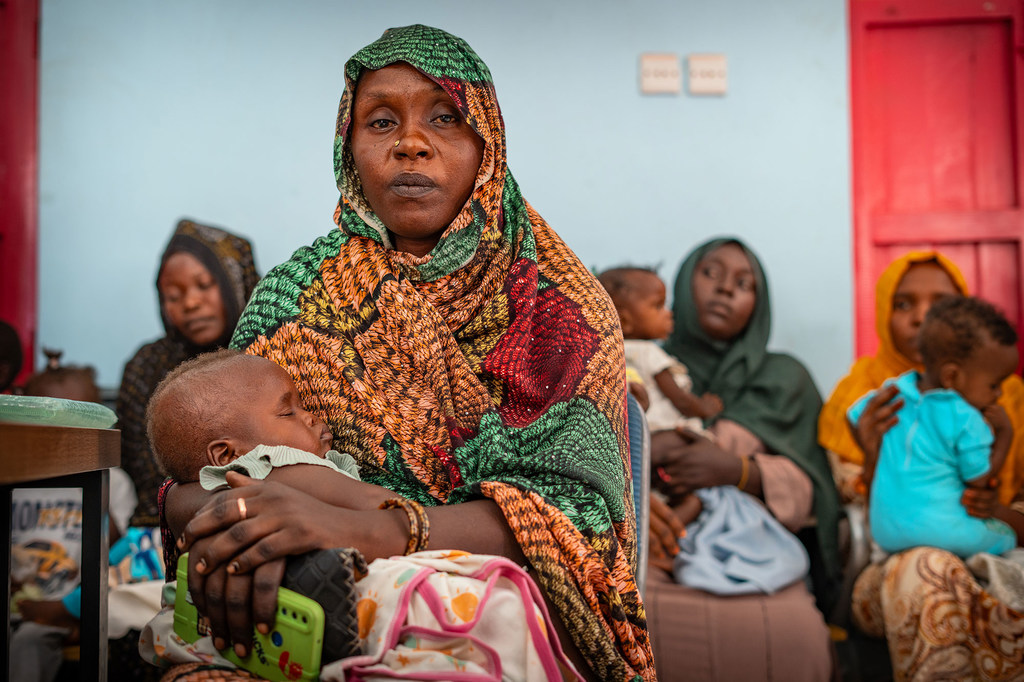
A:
{"points": [[227, 411], [950, 434], [639, 297]]}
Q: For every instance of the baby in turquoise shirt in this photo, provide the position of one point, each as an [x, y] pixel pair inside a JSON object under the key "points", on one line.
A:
{"points": [[951, 434]]}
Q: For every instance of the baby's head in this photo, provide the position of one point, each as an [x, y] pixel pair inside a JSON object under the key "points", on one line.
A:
{"points": [[639, 297], [968, 346], [219, 406]]}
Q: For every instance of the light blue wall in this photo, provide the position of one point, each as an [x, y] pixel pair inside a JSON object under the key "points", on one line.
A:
{"points": [[224, 111]]}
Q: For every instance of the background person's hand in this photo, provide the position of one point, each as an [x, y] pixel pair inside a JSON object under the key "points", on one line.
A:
{"points": [[664, 534], [686, 462], [982, 502]]}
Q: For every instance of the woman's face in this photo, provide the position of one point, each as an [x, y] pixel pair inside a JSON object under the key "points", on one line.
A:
{"points": [[922, 285], [416, 156], [724, 292], [191, 299]]}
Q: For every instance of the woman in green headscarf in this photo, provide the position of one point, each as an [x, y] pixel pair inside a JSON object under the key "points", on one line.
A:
{"points": [[458, 350], [765, 443]]}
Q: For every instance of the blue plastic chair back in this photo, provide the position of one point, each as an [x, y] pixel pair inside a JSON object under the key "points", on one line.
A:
{"points": [[640, 464]]}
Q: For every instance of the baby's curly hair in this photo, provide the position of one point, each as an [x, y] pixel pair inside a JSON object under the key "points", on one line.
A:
{"points": [[953, 328], [620, 282], [195, 404]]}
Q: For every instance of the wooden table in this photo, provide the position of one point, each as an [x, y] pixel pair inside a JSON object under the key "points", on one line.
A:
{"points": [[64, 457]]}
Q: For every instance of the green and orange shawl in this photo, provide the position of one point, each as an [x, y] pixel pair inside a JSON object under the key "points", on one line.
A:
{"points": [[492, 367]]}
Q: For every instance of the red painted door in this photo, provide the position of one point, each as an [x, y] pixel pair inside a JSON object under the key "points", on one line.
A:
{"points": [[18, 153], [937, 92]]}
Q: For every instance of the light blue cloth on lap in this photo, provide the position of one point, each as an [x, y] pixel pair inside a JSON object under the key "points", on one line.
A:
{"points": [[735, 546]]}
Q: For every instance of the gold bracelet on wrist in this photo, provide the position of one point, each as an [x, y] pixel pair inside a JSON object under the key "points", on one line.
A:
{"points": [[744, 473], [419, 524]]}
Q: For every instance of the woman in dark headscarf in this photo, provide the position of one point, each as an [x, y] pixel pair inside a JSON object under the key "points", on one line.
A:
{"points": [[205, 278], [765, 445]]}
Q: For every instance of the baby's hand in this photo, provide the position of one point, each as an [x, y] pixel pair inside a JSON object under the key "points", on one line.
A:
{"points": [[709, 405], [1000, 422], [640, 393]]}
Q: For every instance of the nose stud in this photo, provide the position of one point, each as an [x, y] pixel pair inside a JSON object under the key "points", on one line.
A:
{"points": [[398, 142]]}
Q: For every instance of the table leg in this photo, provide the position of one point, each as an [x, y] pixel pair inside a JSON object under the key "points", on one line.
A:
{"points": [[5, 542], [95, 555]]}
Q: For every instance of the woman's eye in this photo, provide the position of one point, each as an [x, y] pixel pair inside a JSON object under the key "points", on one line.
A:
{"points": [[745, 284], [709, 271], [206, 286], [447, 118], [902, 306], [381, 124]]}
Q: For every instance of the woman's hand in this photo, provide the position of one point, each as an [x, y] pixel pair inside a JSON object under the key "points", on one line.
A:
{"points": [[981, 502], [664, 534], [668, 525], [879, 415], [686, 462], [236, 559]]}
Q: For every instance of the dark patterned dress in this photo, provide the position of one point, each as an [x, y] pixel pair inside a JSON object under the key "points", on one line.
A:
{"points": [[229, 259]]}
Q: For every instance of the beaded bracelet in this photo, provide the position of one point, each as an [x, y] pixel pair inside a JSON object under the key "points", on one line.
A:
{"points": [[419, 524]]}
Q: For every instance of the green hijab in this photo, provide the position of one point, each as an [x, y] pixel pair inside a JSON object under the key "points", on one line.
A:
{"points": [[770, 394]]}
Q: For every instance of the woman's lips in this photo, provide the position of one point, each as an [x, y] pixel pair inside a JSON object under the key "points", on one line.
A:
{"points": [[326, 435], [719, 309], [199, 324], [412, 185]]}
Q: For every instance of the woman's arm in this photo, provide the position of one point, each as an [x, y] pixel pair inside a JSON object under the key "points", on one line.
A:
{"points": [[235, 562]]}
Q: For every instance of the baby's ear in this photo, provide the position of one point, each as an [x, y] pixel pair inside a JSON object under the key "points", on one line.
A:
{"points": [[949, 372], [221, 451]]}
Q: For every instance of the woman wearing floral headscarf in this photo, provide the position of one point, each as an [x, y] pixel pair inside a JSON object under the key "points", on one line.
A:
{"points": [[458, 349]]}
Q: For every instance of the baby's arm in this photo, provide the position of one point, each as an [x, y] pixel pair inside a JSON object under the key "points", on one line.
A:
{"points": [[1002, 433], [689, 405]]}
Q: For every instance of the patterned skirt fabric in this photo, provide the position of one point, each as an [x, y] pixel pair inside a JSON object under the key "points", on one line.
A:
{"points": [[940, 624]]}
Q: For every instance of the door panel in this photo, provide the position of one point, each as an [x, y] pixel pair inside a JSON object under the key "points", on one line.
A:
{"points": [[937, 93], [18, 213]]}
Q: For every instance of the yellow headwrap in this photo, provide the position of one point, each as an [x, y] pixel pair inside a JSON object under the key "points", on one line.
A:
{"points": [[868, 373]]}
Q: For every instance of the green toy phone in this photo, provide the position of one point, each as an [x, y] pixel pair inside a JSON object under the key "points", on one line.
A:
{"points": [[290, 651]]}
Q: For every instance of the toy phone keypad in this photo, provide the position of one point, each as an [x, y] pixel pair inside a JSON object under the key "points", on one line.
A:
{"points": [[290, 651]]}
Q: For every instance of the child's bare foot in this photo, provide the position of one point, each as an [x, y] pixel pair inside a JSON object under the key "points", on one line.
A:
{"points": [[49, 613]]}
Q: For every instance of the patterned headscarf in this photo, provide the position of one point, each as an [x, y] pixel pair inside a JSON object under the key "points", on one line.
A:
{"points": [[229, 259], [868, 373], [770, 394], [490, 368]]}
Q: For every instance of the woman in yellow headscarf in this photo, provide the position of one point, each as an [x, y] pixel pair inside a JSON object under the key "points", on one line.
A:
{"points": [[903, 295], [927, 604]]}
